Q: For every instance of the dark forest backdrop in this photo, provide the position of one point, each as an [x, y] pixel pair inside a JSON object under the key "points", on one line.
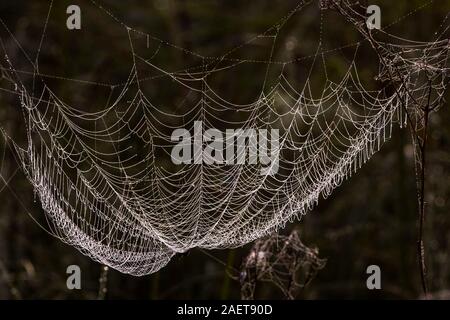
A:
{"points": [[370, 219]]}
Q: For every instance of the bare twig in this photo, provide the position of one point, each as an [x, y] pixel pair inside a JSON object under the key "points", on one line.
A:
{"points": [[103, 283], [420, 155]]}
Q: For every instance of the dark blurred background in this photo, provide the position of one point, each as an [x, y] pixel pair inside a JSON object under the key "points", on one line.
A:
{"points": [[370, 219]]}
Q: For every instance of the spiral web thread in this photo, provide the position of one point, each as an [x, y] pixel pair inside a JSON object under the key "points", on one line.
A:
{"points": [[128, 207]]}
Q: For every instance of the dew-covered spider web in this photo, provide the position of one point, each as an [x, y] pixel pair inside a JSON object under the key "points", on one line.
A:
{"points": [[98, 137], [281, 260]]}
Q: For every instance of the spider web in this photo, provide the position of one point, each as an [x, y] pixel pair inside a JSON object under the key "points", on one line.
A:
{"points": [[98, 157]]}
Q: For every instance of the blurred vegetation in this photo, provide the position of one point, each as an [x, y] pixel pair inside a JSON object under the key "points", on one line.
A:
{"points": [[370, 219]]}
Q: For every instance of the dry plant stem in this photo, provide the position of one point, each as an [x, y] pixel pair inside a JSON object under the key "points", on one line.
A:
{"points": [[15, 293], [420, 148], [103, 283]]}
